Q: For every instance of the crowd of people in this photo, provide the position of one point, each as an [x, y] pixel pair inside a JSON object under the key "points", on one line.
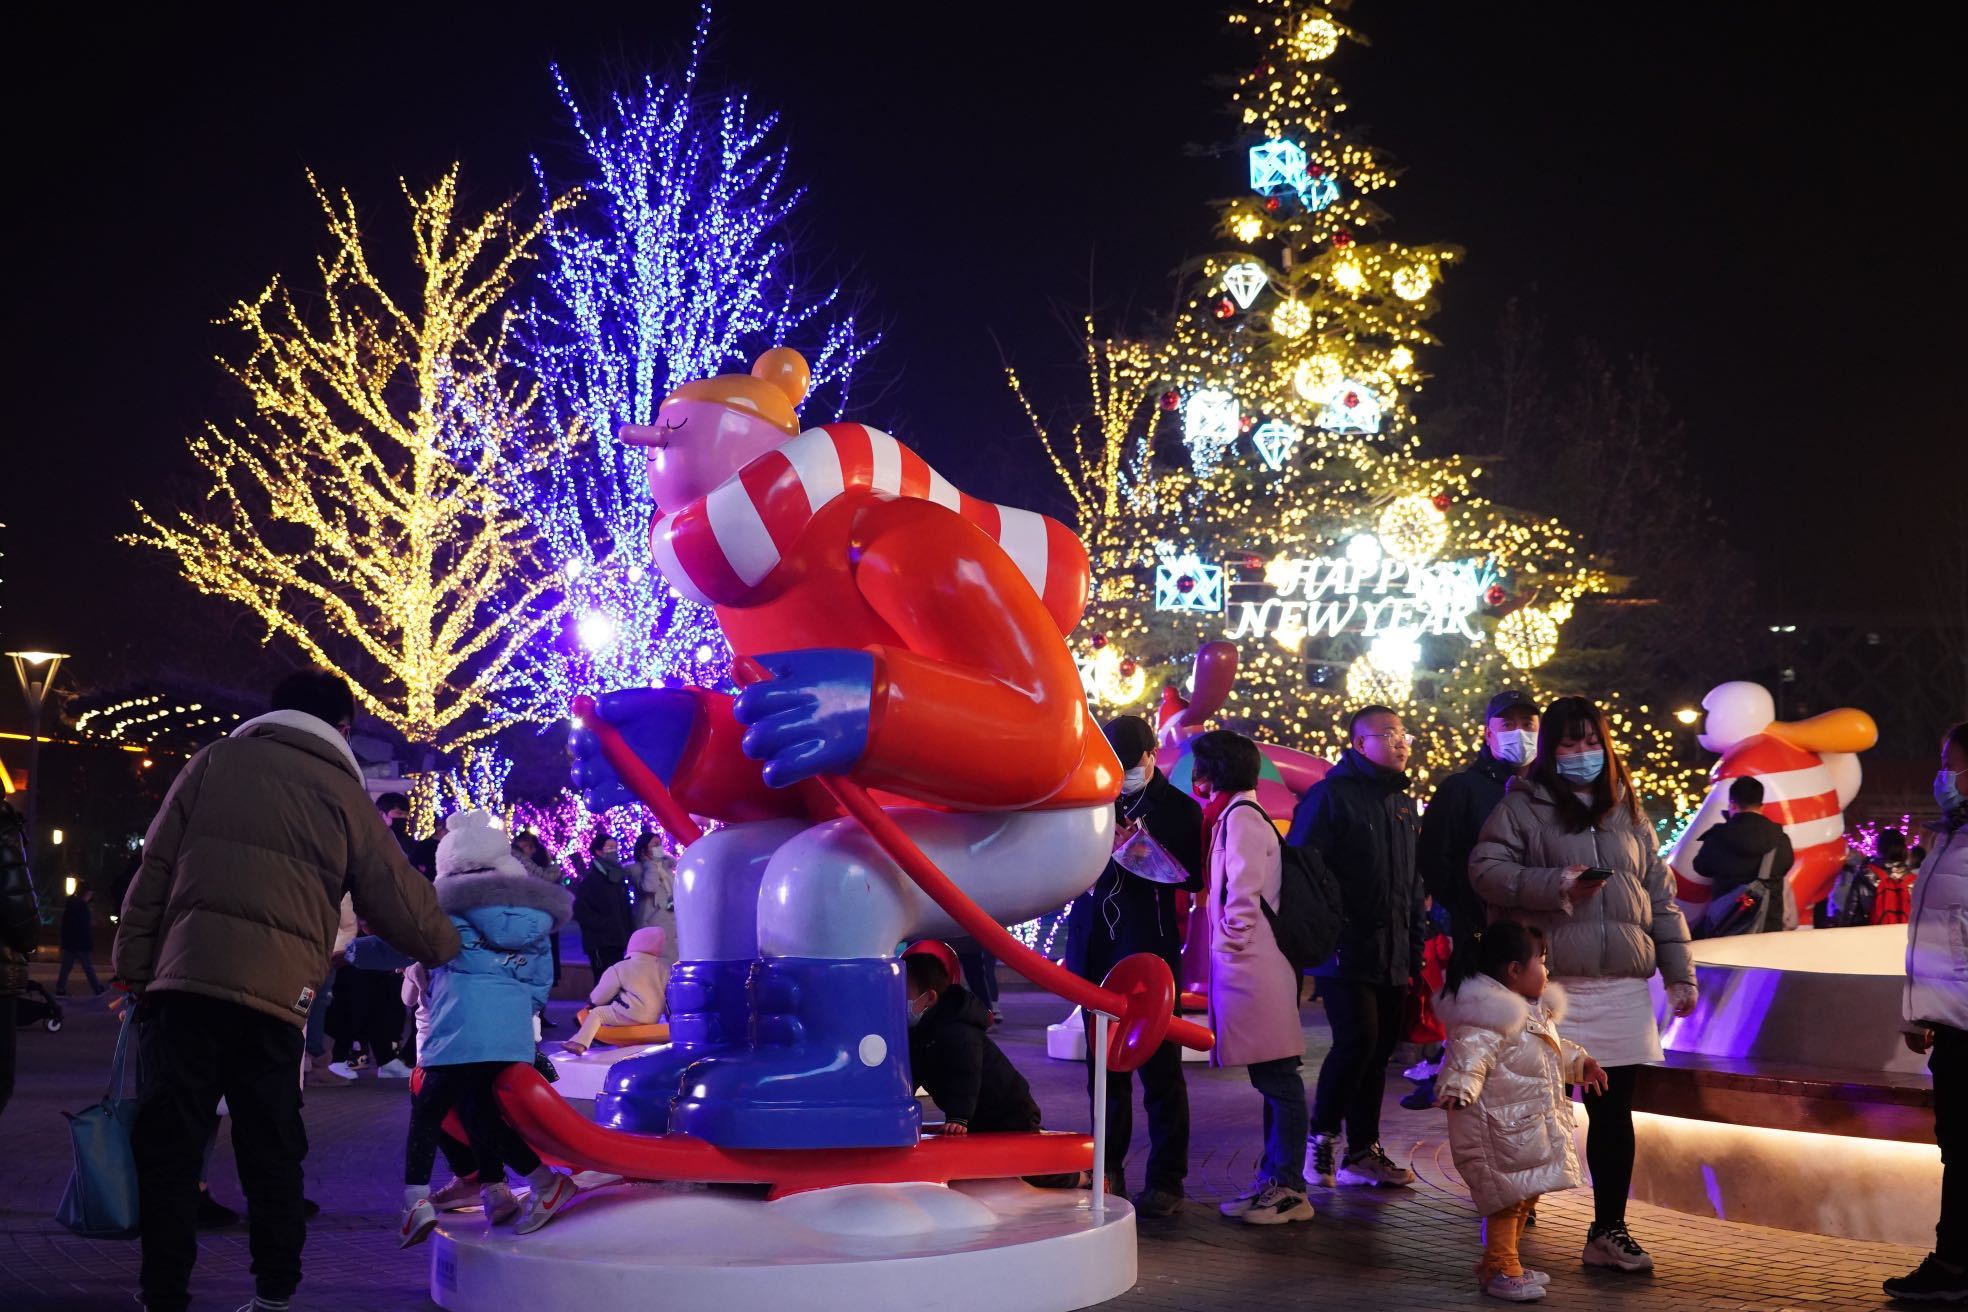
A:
{"points": [[1523, 915]]}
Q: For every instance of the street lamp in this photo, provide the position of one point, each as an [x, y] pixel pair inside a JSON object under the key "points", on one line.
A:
{"points": [[36, 671]]}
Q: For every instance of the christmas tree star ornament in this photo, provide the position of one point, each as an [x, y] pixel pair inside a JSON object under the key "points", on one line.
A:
{"points": [[1291, 318], [1411, 282]]}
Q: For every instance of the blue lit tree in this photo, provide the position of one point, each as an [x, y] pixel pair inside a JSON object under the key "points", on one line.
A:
{"points": [[673, 263]]}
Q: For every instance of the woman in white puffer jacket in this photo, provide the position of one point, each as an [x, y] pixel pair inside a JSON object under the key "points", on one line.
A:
{"points": [[1503, 1080]]}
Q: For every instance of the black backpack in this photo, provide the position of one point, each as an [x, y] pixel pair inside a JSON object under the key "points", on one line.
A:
{"points": [[1307, 919]]}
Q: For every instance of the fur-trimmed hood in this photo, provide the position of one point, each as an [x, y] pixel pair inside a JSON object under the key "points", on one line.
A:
{"points": [[467, 891], [1484, 1002]]}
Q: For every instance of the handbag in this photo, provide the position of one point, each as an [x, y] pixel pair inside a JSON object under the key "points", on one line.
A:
{"points": [[101, 1198], [1741, 912]]}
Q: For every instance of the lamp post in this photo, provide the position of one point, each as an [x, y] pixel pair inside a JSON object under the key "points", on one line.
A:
{"points": [[36, 671]]}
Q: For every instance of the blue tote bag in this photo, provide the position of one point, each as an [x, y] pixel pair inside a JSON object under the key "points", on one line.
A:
{"points": [[101, 1199]]}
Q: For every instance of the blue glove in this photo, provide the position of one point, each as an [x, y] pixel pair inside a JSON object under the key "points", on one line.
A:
{"points": [[811, 716], [654, 722]]}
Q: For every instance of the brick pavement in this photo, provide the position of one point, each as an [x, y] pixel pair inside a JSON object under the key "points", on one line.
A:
{"points": [[1392, 1250]]}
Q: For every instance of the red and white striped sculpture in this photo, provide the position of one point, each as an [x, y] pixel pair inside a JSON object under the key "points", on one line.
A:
{"points": [[1810, 773]]}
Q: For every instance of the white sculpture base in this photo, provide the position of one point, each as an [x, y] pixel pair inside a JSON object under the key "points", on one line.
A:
{"points": [[991, 1246], [581, 1077], [1066, 1040]]}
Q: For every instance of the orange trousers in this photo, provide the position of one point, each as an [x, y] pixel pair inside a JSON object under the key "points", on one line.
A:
{"points": [[1501, 1233]]}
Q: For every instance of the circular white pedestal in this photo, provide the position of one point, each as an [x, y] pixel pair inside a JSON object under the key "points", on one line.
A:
{"points": [[993, 1246]]}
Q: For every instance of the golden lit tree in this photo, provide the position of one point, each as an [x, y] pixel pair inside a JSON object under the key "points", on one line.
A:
{"points": [[1255, 472], [365, 509]]}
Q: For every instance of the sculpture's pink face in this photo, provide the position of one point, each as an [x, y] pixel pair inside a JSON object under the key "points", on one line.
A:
{"points": [[695, 445]]}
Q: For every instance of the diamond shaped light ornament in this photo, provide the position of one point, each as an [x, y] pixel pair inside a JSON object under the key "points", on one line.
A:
{"points": [[1274, 440], [1349, 406], [1210, 423], [1244, 281], [1187, 582], [1315, 193], [1277, 165]]}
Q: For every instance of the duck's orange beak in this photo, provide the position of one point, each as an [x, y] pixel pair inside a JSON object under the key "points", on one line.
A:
{"points": [[1843, 730]]}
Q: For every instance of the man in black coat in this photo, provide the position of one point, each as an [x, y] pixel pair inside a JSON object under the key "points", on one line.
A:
{"points": [[1360, 819], [1745, 847], [78, 940], [1125, 913], [1463, 801]]}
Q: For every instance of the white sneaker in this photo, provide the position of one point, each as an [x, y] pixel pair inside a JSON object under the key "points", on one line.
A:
{"points": [[1322, 1159], [1538, 1276], [1513, 1289], [457, 1194], [347, 1069], [419, 1219], [1277, 1205], [542, 1205], [1243, 1202], [1422, 1070], [393, 1069], [1614, 1247]]}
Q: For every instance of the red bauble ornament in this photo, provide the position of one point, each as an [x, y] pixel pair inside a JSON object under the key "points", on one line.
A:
{"points": [[1171, 399], [1314, 170], [1099, 641], [1342, 239], [1246, 423], [1271, 205], [1128, 667], [1351, 399], [1185, 584], [1496, 596], [1253, 562], [1225, 307], [1441, 500]]}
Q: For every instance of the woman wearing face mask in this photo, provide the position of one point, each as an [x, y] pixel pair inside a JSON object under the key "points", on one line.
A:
{"points": [[1571, 851], [1936, 1012]]}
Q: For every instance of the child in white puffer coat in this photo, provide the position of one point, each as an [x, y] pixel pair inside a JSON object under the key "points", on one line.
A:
{"points": [[1503, 1080]]}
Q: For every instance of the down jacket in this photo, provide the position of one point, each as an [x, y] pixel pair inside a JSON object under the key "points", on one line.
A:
{"points": [[1630, 929], [967, 1076], [245, 866], [1360, 819], [1504, 1078], [1937, 930], [483, 1000]]}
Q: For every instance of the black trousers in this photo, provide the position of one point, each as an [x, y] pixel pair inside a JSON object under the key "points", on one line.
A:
{"points": [[1165, 1097], [1949, 1066], [468, 1087], [1609, 1144], [1366, 1026], [195, 1050], [7, 1049]]}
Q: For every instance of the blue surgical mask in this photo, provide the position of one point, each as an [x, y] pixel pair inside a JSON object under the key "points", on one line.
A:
{"points": [[1585, 768], [1514, 746], [1135, 780], [1947, 793]]}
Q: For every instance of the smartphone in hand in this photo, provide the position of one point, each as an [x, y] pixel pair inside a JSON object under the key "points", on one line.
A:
{"points": [[1595, 875]]}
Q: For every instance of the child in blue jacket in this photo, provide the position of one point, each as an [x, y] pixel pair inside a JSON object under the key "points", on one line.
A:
{"points": [[482, 1003]]}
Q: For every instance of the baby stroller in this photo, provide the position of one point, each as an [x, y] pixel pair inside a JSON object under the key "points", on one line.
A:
{"points": [[38, 1006]]}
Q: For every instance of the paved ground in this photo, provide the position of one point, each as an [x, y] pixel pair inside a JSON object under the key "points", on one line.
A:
{"points": [[1393, 1250]]}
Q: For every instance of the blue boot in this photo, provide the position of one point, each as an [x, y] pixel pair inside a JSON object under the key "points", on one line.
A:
{"points": [[828, 1066], [710, 1015]]}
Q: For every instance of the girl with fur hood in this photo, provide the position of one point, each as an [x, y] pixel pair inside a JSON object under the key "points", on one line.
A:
{"points": [[1503, 1081], [482, 1003]]}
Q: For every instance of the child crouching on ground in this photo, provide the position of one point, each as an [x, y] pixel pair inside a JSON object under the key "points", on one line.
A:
{"points": [[966, 1075], [482, 1003], [630, 992], [1503, 1081]]}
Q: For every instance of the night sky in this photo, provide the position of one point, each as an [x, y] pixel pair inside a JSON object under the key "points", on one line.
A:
{"points": [[1756, 198]]}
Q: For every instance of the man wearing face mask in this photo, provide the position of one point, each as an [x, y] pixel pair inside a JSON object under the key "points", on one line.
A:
{"points": [[1133, 910], [1464, 801]]}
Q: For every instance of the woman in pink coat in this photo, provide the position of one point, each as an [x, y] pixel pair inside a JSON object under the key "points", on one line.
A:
{"points": [[1253, 991]]}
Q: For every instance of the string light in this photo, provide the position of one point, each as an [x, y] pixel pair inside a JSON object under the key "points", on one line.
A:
{"points": [[1421, 545], [366, 511]]}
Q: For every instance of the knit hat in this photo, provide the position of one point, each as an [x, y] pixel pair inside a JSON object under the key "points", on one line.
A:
{"points": [[648, 940], [776, 384], [476, 840]]}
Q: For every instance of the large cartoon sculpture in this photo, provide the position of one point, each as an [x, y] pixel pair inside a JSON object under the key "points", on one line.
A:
{"points": [[894, 634], [1810, 773]]}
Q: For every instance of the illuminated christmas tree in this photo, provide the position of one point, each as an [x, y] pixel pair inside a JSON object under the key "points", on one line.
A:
{"points": [[672, 264], [365, 509], [1256, 472]]}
